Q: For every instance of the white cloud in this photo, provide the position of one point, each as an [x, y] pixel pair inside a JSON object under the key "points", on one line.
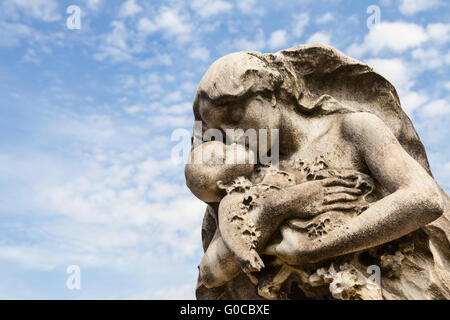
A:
{"points": [[319, 38], [119, 36], [115, 44], [12, 33], [174, 96], [189, 86], [169, 78], [27, 257], [277, 39], [180, 108], [121, 207], [93, 4], [326, 17], [129, 9], [117, 207], [199, 53], [46, 10], [31, 56], [169, 21], [440, 159], [250, 7], [444, 174], [429, 58], [208, 8], [134, 109], [395, 36], [257, 44], [184, 292], [171, 121], [439, 32], [165, 191], [93, 128], [162, 59], [411, 7], [146, 25], [180, 292], [412, 101], [300, 22], [177, 109], [436, 108], [145, 83]]}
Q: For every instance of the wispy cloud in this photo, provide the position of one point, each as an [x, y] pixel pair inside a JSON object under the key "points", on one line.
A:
{"points": [[45, 10], [170, 21], [129, 8], [411, 7], [278, 39], [208, 8], [395, 36], [320, 38]]}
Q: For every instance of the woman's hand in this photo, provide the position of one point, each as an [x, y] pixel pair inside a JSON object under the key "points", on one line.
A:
{"points": [[330, 194], [313, 197], [310, 199]]}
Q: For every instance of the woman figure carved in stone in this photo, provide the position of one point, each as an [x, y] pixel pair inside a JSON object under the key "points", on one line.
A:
{"points": [[336, 117]]}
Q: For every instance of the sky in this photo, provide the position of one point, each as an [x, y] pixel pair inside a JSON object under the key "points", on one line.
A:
{"points": [[90, 119]]}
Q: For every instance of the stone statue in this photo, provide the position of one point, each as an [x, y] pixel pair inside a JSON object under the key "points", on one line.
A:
{"points": [[350, 197]]}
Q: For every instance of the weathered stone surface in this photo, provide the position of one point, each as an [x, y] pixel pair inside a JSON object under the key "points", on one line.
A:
{"points": [[352, 192]]}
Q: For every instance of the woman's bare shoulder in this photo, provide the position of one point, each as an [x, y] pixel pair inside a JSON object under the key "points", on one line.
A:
{"points": [[365, 127]]}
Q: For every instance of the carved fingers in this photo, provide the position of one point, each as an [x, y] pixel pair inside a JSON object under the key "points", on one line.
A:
{"points": [[330, 194], [338, 197], [331, 182], [340, 206], [339, 189], [340, 194]]}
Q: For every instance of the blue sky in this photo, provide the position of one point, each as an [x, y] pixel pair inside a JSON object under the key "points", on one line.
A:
{"points": [[86, 118]]}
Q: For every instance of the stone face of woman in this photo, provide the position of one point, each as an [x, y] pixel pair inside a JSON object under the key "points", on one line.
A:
{"points": [[257, 111]]}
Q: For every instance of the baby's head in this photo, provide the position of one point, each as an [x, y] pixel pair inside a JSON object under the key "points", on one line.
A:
{"points": [[213, 165]]}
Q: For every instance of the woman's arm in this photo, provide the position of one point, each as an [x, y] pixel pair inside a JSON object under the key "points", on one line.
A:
{"points": [[303, 200], [219, 264], [415, 199]]}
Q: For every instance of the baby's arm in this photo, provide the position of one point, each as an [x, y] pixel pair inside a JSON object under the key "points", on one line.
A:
{"points": [[223, 260], [218, 264]]}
